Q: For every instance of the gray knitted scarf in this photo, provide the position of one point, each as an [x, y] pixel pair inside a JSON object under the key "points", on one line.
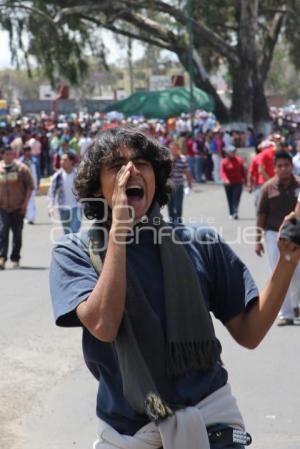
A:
{"points": [[147, 356]]}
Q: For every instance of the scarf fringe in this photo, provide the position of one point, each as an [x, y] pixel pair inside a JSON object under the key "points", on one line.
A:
{"points": [[182, 357]]}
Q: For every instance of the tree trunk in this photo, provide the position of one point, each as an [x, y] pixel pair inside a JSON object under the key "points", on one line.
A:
{"points": [[242, 95], [261, 114], [242, 105], [249, 104]]}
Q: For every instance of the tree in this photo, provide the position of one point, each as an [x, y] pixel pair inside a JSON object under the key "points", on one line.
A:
{"points": [[240, 33], [287, 85]]}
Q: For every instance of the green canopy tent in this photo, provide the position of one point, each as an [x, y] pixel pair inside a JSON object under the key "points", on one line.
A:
{"points": [[163, 103]]}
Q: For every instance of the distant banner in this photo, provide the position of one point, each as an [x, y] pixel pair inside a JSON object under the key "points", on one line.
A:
{"points": [[63, 106]]}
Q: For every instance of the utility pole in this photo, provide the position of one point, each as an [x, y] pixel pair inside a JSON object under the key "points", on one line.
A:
{"points": [[191, 69], [130, 65]]}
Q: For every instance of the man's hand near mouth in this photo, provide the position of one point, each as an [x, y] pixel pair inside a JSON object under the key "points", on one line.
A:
{"points": [[122, 212]]}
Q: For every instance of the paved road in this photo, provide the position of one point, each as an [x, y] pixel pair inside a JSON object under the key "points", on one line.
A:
{"points": [[47, 397]]}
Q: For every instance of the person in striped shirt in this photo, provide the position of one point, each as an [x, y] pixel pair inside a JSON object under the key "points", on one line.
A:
{"points": [[179, 174]]}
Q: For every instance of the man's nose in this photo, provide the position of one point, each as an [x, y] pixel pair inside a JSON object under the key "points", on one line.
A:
{"points": [[134, 170]]}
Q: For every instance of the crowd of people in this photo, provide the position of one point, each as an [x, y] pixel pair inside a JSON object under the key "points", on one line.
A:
{"points": [[43, 146], [51, 137]]}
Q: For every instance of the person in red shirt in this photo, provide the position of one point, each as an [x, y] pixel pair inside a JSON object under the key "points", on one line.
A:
{"points": [[191, 153], [233, 176], [266, 161]]}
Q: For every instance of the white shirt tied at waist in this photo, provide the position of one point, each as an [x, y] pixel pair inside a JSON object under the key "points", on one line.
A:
{"points": [[186, 429]]}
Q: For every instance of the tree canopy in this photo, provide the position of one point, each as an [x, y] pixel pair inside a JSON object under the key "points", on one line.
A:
{"points": [[241, 34]]}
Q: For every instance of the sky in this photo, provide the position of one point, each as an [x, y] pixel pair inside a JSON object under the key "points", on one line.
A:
{"points": [[116, 53], [4, 51]]}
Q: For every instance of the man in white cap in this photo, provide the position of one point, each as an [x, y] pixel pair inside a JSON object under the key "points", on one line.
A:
{"points": [[266, 160]]}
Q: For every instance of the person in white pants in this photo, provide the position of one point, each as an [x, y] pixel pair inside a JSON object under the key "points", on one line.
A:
{"points": [[217, 165], [33, 165], [290, 306], [277, 198]]}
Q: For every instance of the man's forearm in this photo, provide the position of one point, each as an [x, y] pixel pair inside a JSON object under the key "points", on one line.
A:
{"points": [[103, 311], [249, 181], [263, 172], [260, 224], [260, 317], [250, 327], [189, 178], [259, 234]]}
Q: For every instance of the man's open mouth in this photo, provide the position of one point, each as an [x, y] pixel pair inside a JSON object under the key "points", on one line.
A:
{"points": [[135, 192]]}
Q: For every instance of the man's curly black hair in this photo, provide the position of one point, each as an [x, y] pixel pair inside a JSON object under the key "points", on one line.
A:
{"points": [[104, 148]]}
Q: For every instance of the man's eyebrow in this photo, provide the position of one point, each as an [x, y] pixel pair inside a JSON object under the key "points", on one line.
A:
{"points": [[115, 160], [138, 158], [121, 159]]}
